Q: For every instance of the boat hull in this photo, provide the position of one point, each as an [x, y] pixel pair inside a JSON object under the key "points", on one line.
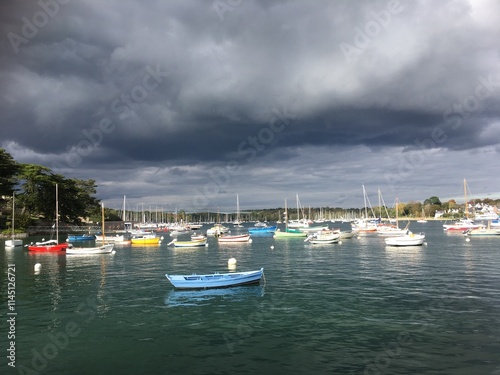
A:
{"points": [[262, 229], [13, 243], [461, 225], [145, 241], [314, 229], [242, 238], [482, 232], [216, 280], [323, 242], [48, 248], [407, 240], [105, 249], [81, 238], [196, 243], [286, 234], [117, 238]]}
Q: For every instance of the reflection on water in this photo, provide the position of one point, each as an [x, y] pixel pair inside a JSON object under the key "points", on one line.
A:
{"points": [[413, 253], [177, 298]]}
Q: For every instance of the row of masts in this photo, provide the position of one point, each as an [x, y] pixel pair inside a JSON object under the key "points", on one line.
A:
{"points": [[158, 214]]}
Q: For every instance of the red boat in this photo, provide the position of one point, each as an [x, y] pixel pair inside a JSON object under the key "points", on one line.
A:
{"points": [[48, 246], [51, 245], [461, 225]]}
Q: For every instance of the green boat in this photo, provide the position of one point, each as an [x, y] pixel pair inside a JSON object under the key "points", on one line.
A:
{"points": [[288, 232]]}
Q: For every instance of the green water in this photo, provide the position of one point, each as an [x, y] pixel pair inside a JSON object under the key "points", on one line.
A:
{"points": [[353, 308]]}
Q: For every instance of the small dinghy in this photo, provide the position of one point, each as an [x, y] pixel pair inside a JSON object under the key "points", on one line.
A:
{"points": [[215, 280]]}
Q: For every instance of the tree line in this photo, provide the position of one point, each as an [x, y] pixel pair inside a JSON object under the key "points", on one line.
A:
{"points": [[34, 189]]}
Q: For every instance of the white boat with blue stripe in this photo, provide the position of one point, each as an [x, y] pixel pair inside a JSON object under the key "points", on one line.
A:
{"points": [[215, 280]]}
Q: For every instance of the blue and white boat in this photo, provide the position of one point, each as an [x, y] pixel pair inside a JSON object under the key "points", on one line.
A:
{"points": [[215, 280], [257, 230], [80, 237]]}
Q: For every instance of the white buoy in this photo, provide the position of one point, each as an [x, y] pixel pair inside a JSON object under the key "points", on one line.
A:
{"points": [[340, 242], [272, 247], [113, 252], [38, 267], [250, 240], [467, 239], [231, 261]]}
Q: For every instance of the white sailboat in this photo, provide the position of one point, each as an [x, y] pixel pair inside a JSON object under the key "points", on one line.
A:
{"points": [[423, 220], [299, 223], [391, 230], [465, 223], [289, 232], [407, 238], [13, 242], [51, 245], [104, 249], [237, 222], [483, 230], [365, 225]]}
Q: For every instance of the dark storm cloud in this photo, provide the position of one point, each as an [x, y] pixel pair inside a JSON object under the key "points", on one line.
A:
{"points": [[92, 85]]}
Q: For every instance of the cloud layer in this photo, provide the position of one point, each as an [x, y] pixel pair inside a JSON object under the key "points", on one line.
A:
{"points": [[188, 103]]}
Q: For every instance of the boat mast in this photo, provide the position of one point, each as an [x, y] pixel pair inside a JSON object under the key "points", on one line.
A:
{"points": [[123, 212], [13, 210], [298, 215], [397, 209], [286, 217], [102, 222], [364, 198], [57, 214], [465, 196], [237, 209]]}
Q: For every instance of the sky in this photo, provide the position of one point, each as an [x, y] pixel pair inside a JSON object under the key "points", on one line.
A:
{"points": [[189, 104]]}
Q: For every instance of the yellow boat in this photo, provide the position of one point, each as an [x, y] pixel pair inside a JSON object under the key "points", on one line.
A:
{"points": [[146, 240]]}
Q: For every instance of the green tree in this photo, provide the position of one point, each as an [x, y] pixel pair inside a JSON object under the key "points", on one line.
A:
{"points": [[75, 197], [38, 193], [9, 169], [432, 200], [76, 200]]}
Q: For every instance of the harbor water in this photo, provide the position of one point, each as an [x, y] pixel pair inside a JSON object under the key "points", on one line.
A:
{"points": [[357, 307]]}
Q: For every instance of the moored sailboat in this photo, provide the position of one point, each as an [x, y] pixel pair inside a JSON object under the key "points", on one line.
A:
{"points": [[464, 223], [104, 249], [51, 245], [323, 238], [13, 242], [409, 239], [482, 231], [288, 233]]}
